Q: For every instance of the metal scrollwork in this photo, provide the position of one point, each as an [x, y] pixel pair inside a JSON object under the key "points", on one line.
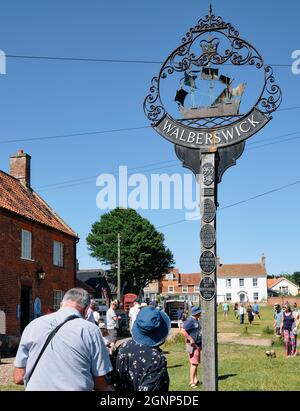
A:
{"points": [[238, 52], [272, 96]]}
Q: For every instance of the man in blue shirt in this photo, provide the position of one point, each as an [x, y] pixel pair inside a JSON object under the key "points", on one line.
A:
{"points": [[225, 310], [256, 309], [76, 359], [191, 330]]}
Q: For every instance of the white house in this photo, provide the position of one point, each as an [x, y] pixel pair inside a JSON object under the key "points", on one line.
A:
{"points": [[283, 286], [242, 282]]}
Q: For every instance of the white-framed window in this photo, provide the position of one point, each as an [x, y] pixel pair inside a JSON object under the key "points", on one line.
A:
{"points": [[58, 254], [196, 288], [228, 282], [242, 282], [171, 289], [57, 298], [228, 297], [169, 276], [255, 296], [284, 290], [185, 289], [26, 245], [195, 298], [254, 282]]}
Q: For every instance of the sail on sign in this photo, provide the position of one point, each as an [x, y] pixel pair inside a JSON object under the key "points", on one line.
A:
{"points": [[227, 115]]}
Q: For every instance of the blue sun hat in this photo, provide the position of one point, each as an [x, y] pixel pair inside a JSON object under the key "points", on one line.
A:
{"points": [[196, 311], [151, 327]]}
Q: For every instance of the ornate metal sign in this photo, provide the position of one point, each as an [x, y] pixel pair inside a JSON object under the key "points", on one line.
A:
{"points": [[207, 288], [214, 104]]}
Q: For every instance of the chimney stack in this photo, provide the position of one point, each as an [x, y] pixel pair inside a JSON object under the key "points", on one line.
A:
{"points": [[263, 260], [20, 167], [218, 261]]}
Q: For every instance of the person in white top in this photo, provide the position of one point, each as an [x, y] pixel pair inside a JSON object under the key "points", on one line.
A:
{"points": [[133, 312], [242, 313], [92, 314]]}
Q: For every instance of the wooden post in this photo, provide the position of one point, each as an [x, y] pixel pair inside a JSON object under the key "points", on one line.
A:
{"points": [[208, 264]]}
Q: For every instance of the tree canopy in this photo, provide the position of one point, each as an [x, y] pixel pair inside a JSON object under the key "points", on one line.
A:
{"points": [[144, 256]]}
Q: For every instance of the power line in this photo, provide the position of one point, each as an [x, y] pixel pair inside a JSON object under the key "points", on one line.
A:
{"points": [[112, 173], [55, 187], [86, 180], [118, 130], [236, 203], [89, 133], [94, 59]]}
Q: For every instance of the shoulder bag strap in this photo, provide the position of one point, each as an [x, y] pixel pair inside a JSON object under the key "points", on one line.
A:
{"points": [[49, 338]]}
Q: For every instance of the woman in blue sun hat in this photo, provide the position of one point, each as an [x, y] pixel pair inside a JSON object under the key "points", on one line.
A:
{"points": [[140, 364]]}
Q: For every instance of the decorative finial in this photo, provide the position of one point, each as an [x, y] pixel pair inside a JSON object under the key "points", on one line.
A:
{"points": [[210, 13]]}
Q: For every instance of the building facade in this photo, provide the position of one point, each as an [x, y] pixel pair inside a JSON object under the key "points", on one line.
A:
{"points": [[242, 282], [37, 250], [235, 283], [283, 286]]}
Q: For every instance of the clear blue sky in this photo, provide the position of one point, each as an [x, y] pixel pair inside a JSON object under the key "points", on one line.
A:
{"points": [[46, 98]]}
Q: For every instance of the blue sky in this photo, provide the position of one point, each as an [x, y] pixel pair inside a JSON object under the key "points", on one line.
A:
{"points": [[49, 97]]}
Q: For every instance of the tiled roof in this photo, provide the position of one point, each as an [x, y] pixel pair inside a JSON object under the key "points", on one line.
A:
{"points": [[190, 279], [24, 202], [241, 270], [273, 281]]}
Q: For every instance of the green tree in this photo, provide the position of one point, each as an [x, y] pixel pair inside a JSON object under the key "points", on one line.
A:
{"points": [[296, 278], [144, 257]]}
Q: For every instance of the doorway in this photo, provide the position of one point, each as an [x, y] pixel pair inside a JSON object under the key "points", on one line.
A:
{"points": [[242, 298], [25, 307]]}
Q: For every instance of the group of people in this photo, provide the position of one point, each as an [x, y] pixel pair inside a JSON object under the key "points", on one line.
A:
{"points": [[240, 311], [287, 325], [70, 349]]}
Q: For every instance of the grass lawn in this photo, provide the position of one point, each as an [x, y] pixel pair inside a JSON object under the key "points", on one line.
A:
{"points": [[241, 368], [232, 325]]}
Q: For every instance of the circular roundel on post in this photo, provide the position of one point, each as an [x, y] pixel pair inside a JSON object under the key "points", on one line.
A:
{"points": [[207, 262], [208, 210], [207, 288], [208, 235], [213, 90]]}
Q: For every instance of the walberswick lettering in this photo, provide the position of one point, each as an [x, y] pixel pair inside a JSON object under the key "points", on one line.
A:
{"points": [[190, 137]]}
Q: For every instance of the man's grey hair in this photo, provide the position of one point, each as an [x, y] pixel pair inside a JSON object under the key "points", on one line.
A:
{"points": [[79, 295]]}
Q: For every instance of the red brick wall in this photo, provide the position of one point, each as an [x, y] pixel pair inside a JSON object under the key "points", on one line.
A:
{"points": [[15, 272], [283, 300]]}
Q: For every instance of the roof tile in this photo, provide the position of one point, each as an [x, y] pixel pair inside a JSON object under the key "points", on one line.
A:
{"points": [[26, 203]]}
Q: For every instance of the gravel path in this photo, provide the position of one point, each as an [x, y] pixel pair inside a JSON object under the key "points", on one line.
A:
{"points": [[6, 371]]}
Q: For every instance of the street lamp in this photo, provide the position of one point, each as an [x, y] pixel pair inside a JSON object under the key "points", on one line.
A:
{"points": [[41, 274]]}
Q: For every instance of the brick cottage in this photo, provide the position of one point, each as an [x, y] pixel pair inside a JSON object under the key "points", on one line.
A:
{"points": [[37, 251]]}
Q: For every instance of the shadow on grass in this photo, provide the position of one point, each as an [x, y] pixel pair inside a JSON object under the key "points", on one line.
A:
{"points": [[224, 377], [175, 366]]}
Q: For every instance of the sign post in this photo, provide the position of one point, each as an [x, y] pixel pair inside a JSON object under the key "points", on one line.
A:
{"points": [[209, 133], [207, 288]]}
